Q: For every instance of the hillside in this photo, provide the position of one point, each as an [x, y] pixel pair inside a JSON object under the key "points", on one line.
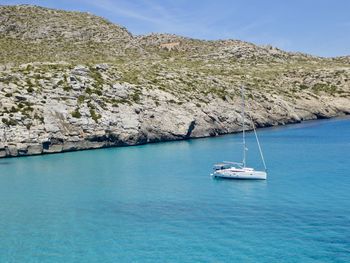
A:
{"points": [[72, 80]]}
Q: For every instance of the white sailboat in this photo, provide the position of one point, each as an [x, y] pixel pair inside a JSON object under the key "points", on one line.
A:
{"points": [[236, 170]]}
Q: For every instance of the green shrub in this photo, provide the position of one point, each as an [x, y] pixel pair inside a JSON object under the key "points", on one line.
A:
{"points": [[9, 122], [115, 102], [76, 114], [322, 87], [13, 109], [60, 83], [98, 92], [302, 86], [136, 97], [96, 75], [67, 88], [81, 99], [30, 89], [88, 91], [94, 115]]}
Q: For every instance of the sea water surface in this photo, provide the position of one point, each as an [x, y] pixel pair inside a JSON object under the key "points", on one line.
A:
{"points": [[157, 202]]}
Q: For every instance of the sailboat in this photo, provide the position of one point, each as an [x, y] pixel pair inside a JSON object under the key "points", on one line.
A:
{"points": [[239, 170]]}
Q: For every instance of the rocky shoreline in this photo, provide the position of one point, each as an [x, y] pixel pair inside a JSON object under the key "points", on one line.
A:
{"points": [[104, 141], [157, 116]]}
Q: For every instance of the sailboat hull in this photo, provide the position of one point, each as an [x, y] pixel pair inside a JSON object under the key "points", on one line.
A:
{"points": [[242, 175]]}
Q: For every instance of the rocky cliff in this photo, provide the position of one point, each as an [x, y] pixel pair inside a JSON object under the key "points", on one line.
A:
{"points": [[72, 81]]}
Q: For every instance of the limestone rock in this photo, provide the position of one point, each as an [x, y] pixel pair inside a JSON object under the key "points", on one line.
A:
{"points": [[87, 83]]}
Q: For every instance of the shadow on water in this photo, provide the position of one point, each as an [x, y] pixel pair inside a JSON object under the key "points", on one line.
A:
{"points": [[238, 181], [5, 163]]}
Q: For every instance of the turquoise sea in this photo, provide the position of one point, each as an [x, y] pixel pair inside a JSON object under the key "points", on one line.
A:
{"points": [[157, 202]]}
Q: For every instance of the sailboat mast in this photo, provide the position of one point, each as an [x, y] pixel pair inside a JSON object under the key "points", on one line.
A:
{"points": [[243, 127], [257, 140]]}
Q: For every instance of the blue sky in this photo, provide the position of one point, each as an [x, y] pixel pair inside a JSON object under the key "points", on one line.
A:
{"points": [[318, 27]]}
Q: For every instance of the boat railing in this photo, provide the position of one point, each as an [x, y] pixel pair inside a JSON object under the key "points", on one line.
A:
{"points": [[227, 164]]}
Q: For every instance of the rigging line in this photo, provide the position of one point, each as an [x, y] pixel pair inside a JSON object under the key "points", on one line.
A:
{"points": [[243, 127], [257, 140]]}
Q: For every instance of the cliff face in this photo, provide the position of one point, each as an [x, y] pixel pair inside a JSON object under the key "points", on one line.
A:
{"points": [[71, 81]]}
